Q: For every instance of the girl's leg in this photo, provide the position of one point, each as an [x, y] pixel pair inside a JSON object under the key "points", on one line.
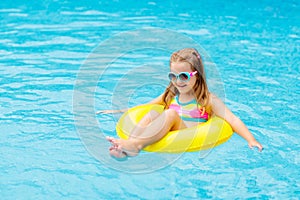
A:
{"points": [[138, 130], [142, 125], [169, 120]]}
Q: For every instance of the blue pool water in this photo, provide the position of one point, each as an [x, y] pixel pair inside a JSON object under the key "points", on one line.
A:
{"points": [[61, 61]]}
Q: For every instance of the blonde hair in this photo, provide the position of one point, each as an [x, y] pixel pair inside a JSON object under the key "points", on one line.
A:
{"points": [[193, 58]]}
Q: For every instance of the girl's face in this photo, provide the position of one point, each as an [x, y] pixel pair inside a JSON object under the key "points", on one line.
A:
{"points": [[183, 87]]}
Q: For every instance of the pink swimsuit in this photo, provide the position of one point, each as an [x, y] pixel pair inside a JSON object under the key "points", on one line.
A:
{"points": [[190, 111]]}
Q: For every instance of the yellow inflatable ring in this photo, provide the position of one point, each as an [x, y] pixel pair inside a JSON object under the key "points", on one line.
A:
{"points": [[203, 136]]}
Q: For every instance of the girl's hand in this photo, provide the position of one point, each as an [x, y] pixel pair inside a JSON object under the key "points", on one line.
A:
{"points": [[254, 143], [110, 111], [105, 112]]}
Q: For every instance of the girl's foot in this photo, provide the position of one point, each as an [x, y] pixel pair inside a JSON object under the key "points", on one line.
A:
{"points": [[114, 152], [122, 148]]}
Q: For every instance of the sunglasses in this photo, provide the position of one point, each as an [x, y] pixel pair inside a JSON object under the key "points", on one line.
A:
{"points": [[182, 76]]}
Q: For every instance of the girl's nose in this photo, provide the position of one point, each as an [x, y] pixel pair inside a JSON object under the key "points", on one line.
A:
{"points": [[178, 80]]}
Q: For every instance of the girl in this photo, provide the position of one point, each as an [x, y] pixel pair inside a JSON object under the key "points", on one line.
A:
{"points": [[187, 103]]}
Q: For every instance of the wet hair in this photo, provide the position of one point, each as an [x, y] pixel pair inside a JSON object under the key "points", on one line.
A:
{"points": [[193, 58]]}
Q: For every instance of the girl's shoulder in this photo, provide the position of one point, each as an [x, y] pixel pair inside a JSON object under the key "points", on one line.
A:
{"points": [[212, 95], [212, 98], [213, 101]]}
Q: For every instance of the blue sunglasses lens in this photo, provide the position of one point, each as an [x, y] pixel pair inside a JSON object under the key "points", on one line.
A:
{"points": [[184, 77], [172, 77]]}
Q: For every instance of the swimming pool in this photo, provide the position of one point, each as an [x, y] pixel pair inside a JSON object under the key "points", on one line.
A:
{"points": [[253, 48]]}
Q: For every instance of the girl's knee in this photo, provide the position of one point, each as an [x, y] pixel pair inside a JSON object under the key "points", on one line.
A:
{"points": [[174, 119], [170, 113], [153, 114]]}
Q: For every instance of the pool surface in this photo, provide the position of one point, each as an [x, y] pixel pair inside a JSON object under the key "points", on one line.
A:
{"points": [[61, 61]]}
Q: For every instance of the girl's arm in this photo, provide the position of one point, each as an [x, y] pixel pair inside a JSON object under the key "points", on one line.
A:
{"points": [[220, 109], [157, 100], [110, 111]]}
